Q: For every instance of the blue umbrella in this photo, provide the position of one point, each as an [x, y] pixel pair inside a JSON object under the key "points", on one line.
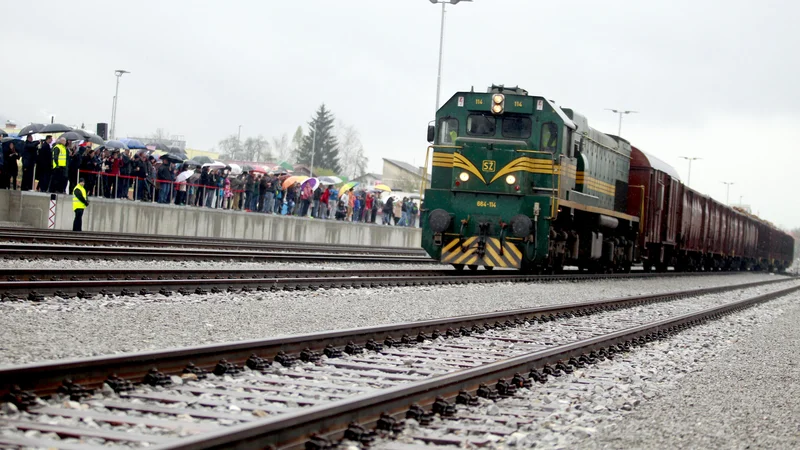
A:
{"points": [[116, 144], [132, 143]]}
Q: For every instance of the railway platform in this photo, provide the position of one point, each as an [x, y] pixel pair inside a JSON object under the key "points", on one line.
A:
{"points": [[121, 216]]}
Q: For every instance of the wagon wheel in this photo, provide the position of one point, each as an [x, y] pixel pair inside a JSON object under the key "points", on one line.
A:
{"points": [[473, 267]]}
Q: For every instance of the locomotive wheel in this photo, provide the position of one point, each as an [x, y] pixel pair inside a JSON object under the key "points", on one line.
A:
{"points": [[488, 267], [458, 266], [473, 267]]}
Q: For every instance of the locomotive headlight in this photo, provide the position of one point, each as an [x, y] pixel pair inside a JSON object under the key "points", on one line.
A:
{"points": [[497, 109], [463, 176], [498, 99], [511, 179]]}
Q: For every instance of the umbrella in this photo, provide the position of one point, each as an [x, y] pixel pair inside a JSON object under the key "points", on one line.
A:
{"points": [[3, 133], [314, 182], [72, 136], [382, 187], [95, 139], [30, 129], [213, 165], [10, 137], [203, 159], [330, 180], [348, 186], [133, 143], [235, 169], [55, 128], [157, 146], [192, 162], [292, 180], [180, 155], [172, 158], [175, 150], [286, 165], [83, 134], [258, 169], [116, 144], [183, 176]]}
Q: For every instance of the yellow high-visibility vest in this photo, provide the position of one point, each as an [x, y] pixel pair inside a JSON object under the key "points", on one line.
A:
{"points": [[61, 161], [76, 203]]}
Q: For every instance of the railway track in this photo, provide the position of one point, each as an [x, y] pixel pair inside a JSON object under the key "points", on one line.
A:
{"points": [[84, 239], [309, 254], [36, 284], [313, 389]]}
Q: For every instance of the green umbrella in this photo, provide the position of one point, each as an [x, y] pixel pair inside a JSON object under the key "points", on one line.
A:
{"points": [[286, 165]]}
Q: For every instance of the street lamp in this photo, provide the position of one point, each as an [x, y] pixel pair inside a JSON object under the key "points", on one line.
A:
{"points": [[727, 190], [239, 140], [690, 159], [621, 113], [118, 73], [441, 42], [313, 144]]}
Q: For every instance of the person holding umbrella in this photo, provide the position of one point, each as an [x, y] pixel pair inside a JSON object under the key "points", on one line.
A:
{"points": [[79, 203], [59, 177], [29, 162], [44, 169]]}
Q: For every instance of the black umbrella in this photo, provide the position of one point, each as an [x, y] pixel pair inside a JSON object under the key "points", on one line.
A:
{"points": [[55, 128], [31, 129], [116, 145], [192, 162], [158, 146], [3, 133], [203, 159], [83, 133], [72, 136], [172, 157], [180, 155], [95, 139], [175, 150], [9, 139], [247, 168]]}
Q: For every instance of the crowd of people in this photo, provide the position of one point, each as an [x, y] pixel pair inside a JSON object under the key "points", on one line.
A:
{"points": [[124, 174]]}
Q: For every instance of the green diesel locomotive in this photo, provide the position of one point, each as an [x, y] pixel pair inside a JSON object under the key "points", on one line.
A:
{"points": [[518, 182]]}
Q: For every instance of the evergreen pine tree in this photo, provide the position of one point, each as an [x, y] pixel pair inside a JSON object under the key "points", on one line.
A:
{"points": [[326, 146]]}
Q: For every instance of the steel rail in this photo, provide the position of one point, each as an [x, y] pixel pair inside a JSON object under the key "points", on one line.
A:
{"points": [[294, 429], [45, 378], [121, 239], [191, 282], [151, 273], [27, 251]]}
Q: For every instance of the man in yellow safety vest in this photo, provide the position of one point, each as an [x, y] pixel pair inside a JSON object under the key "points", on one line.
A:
{"points": [[79, 204], [58, 180]]}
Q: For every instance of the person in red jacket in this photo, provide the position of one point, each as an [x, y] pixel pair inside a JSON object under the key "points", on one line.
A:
{"points": [[368, 208], [323, 203]]}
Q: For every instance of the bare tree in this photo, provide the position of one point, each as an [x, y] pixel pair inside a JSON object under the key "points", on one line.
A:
{"points": [[256, 149], [297, 142], [160, 135], [351, 152], [229, 147], [282, 147]]}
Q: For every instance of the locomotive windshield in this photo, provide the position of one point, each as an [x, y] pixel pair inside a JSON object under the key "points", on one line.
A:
{"points": [[448, 130], [516, 127], [549, 137], [481, 125]]}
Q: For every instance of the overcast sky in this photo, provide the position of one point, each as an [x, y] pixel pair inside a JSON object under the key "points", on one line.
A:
{"points": [[713, 79]]}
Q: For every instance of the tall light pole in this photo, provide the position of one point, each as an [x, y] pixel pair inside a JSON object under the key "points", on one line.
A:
{"points": [[441, 43], [112, 133], [621, 113], [727, 190], [239, 140], [313, 144], [690, 159]]}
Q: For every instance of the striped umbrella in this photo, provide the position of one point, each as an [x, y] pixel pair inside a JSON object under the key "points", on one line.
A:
{"points": [[347, 186]]}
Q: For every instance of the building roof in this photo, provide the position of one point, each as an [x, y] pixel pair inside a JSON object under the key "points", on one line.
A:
{"points": [[410, 168]]}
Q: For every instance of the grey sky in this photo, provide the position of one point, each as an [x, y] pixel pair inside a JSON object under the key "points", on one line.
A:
{"points": [[712, 79]]}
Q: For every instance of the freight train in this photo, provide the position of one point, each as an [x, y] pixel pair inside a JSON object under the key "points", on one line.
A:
{"points": [[518, 182]]}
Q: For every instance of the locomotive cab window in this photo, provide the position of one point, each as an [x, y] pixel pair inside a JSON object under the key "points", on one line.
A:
{"points": [[549, 138], [517, 127], [481, 125], [448, 131]]}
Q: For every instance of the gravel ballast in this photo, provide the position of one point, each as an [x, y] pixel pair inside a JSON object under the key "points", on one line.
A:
{"points": [[69, 328], [728, 384]]}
